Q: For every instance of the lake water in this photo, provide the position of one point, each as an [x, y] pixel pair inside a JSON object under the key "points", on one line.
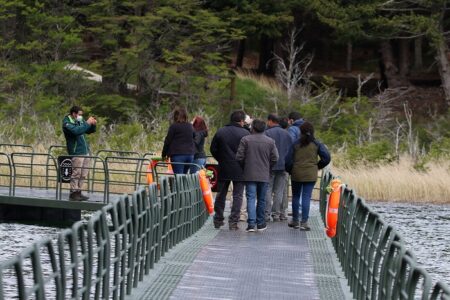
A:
{"points": [[425, 229]]}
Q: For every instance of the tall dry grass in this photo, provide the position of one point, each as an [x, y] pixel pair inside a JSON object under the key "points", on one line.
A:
{"points": [[267, 83], [399, 182]]}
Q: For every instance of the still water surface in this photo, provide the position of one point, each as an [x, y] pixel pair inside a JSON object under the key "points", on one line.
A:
{"points": [[425, 228], [426, 231]]}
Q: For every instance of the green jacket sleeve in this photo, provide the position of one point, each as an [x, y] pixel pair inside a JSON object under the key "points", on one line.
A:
{"points": [[76, 129], [91, 129]]}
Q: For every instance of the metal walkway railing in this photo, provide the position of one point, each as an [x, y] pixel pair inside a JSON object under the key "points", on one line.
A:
{"points": [[107, 256], [111, 172], [373, 255]]}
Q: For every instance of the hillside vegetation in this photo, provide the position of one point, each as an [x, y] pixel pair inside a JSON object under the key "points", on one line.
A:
{"points": [[155, 55]]}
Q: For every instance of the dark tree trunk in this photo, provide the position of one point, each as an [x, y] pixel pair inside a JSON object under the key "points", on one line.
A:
{"points": [[265, 55], [442, 58], [240, 53], [418, 55], [348, 63], [404, 58], [391, 72]]}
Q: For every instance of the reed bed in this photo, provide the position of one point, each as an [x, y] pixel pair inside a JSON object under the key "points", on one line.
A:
{"points": [[399, 182]]}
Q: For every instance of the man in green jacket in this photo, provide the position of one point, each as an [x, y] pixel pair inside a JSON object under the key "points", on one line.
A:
{"points": [[75, 128]]}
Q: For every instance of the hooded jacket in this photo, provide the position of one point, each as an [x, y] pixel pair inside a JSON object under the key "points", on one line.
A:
{"points": [[294, 129], [74, 132]]}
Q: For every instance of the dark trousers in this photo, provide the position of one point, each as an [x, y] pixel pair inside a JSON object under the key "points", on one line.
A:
{"points": [[219, 203]]}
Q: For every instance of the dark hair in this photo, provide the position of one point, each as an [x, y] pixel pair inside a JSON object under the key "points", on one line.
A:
{"points": [[180, 115], [284, 123], [274, 118], [307, 134], [75, 109], [199, 124], [295, 115], [258, 126], [237, 116]]}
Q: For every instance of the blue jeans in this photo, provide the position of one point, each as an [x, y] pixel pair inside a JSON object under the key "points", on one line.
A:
{"points": [[197, 161], [301, 190], [181, 158], [256, 202]]}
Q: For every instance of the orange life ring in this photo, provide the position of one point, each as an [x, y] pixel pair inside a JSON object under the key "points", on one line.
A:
{"points": [[150, 173], [206, 190], [333, 207]]}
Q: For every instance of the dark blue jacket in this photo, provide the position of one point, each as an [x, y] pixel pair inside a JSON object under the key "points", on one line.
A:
{"points": [[283, 142], [294, 129]]}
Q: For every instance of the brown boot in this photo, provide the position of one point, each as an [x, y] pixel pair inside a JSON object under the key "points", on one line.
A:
{"points": [[75, 196], [83, 197]]}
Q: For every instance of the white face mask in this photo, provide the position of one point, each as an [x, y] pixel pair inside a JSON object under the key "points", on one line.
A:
{"points": [[79, 118]]}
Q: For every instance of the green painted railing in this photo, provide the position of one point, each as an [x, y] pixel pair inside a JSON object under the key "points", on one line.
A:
{"points": [[373, 255], [108, 255]]}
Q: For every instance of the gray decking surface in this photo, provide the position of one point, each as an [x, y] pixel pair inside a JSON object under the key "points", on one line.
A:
{"points": [[279, 263]]}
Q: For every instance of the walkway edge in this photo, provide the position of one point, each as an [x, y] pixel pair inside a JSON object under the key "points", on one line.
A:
{"points": [[164, 278], [329, 276]]}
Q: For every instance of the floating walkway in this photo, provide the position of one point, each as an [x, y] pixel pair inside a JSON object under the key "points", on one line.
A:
{"points": [[279, 263]]}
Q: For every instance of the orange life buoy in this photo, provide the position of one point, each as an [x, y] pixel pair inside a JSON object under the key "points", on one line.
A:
{"points": [[333, 207], [150, 173], [206, 190]]}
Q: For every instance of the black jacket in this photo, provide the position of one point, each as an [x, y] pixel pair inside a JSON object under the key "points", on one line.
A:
{"points": [[224, 146], [199, 141], [179, 140]]}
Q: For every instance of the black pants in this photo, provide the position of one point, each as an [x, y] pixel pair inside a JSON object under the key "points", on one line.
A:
{"points": [[219, 204]]}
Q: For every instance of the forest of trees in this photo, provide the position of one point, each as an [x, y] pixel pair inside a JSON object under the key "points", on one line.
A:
{"points": [[186, 51]]}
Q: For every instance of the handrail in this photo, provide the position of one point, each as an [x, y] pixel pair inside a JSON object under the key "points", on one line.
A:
{"points": [[109, 255], [50, 152], [7, 145], [30, 166], [10, 174], [91, 180], [373, 254]]}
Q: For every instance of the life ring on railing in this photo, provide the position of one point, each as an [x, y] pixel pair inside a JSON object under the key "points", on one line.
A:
{"points": [[150, 173], [206, 191], [333, 207]]}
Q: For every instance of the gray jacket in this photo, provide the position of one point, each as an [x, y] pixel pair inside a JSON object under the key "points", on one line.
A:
{"points": [[283, 141], [257, 154]]}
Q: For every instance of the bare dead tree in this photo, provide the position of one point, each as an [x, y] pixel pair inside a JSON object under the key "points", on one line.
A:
{"points": [[292, 71]]}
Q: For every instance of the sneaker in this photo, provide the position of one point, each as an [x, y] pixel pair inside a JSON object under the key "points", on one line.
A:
{"points": [[218, 224], [283, 217], [250, 228], [233, 226], [275, 218], [262, 227], [267, 219], [294, 224], [75, 196], [304, 226]]}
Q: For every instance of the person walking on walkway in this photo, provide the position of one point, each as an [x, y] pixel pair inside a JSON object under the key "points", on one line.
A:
{"points": [[200, 134], [224, 146], [179, 142], [278, 175], [303, 165], [257, 154], [295, 121], [75, 128]]}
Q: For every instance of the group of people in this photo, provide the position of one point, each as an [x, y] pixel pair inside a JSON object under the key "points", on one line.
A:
{"points": [[256, 156], [259, 161]]}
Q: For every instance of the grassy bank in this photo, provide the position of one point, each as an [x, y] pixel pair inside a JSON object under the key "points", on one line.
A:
{"points": [[399, 182]]}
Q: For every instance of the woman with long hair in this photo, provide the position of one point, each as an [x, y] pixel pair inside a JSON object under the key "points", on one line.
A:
{"points": [[200, 134], [179, 142], [306, 157]]}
